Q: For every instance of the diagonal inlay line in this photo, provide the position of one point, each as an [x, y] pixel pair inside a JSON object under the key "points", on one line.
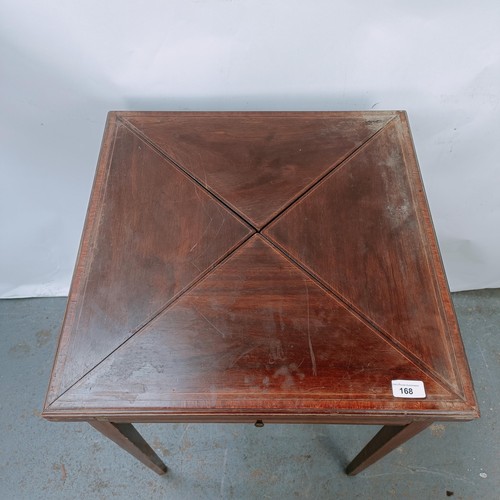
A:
{"points": [[169, 304], [298, 195], [271, 234], [91, 235], [98, 382], [137, 132], [326, 174], [367, 321]]}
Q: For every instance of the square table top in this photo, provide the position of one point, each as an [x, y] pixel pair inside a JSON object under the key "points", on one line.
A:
{"points": [[258, 264]]}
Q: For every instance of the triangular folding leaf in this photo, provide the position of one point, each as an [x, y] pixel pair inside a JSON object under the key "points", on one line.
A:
{"points": [[258, 163], [366, 244], [141, 259], [255, 330]]}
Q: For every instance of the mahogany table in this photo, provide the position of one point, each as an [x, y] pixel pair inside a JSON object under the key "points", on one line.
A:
{"points": [[259, 267]]}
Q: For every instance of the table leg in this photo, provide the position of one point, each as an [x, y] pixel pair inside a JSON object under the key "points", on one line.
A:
{"points": [[386, 440], [126, 436]]}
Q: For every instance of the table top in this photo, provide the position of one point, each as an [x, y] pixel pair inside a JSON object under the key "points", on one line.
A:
{"points": [[280, 266]]}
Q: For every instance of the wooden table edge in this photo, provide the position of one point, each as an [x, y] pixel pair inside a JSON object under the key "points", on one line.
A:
{"points": [[160, 416]]}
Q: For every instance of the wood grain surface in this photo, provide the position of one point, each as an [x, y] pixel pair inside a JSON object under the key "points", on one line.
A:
{"points": [[274, 266], [256, 333], [155, 233], [365, 244], [258, 163]]}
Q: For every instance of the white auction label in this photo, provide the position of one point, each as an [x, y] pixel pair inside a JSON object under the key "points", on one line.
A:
{"points": [[408, 389]]}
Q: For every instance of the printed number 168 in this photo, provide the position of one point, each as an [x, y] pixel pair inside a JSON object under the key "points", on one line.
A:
{"points": [[406, 390]]}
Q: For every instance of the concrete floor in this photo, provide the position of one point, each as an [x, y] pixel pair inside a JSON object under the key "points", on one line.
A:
{"points": [[46, 460]]}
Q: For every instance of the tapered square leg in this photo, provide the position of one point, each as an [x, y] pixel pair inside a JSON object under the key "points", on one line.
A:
{"points": [[386, 440], [126, 436]]}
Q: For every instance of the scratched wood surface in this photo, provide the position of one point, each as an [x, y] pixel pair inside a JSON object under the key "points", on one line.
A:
{"points": [[384, 246], [257, 163], [279, 265]]}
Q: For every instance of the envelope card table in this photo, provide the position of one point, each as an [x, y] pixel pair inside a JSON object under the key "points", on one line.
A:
{"points": [[259, 267]]}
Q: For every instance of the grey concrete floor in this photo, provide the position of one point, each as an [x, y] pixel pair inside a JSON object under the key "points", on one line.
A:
{"points": [[46, 460]]}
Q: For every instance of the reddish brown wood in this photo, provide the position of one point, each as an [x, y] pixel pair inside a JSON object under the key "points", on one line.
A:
{"points": [[272, 339], [178, 312], [366, 245], [258, 162], [127, 437], [155, 233], [386, 440]]}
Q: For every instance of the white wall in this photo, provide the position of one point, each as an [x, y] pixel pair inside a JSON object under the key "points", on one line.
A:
{"points": [[63, 65]]}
